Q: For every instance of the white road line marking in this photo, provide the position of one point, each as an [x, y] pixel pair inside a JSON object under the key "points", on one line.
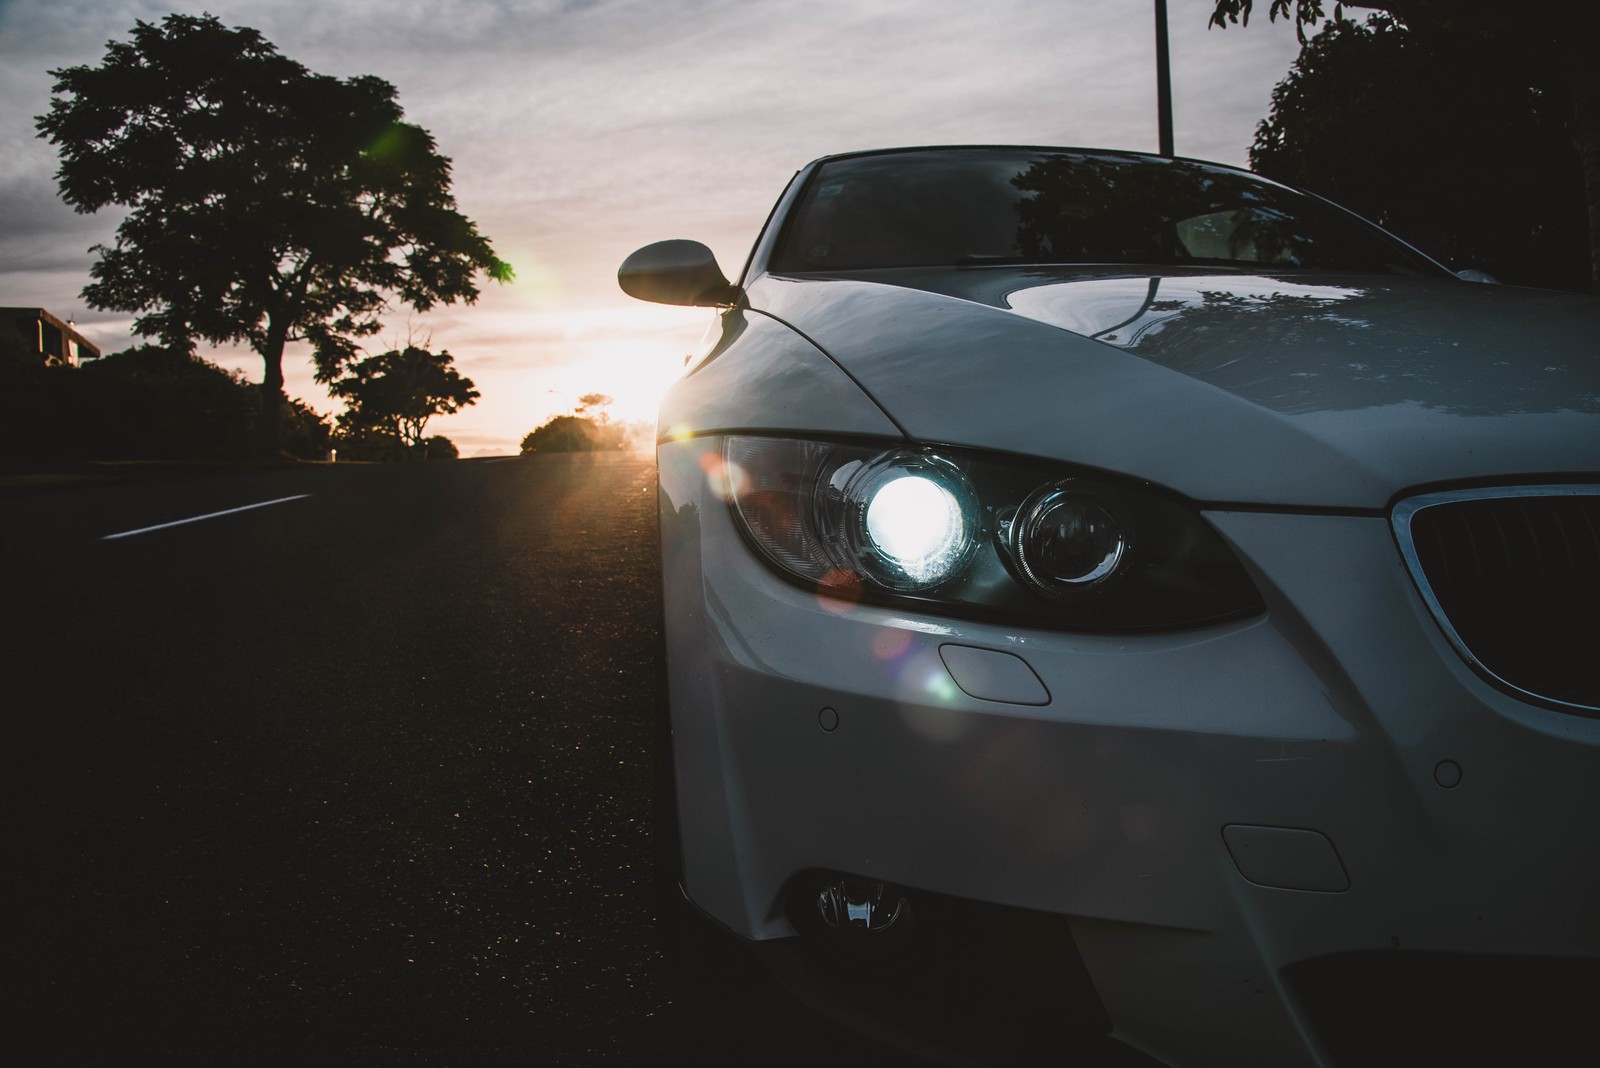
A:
{"points": [[208, 515]]}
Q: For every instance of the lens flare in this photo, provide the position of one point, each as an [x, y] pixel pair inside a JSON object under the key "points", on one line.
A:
{"points": [[941, 687], [890, 644], [839, 591], [725, 479]]}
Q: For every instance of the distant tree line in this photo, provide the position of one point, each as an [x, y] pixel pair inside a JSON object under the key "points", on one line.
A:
{"points": [[152, 403], [573, 433], [589, 428], [144, 403]]}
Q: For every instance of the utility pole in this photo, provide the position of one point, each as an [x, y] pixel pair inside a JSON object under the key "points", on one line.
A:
{"points": [[1163, 80]]}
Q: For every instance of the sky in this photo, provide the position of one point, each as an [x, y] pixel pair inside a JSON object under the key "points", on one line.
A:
{"points": [[581, 130]]}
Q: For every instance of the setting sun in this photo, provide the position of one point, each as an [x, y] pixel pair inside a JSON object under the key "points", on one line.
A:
{"points": [[636, 373]]}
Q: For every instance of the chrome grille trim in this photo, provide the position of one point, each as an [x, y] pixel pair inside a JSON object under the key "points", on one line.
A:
{"points": [[1575, 546]]}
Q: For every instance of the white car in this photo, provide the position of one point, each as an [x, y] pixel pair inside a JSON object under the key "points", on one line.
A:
{"points": [[1115, 593]]}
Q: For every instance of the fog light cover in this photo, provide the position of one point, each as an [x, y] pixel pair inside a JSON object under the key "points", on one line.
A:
{"points": [[1064, 541], [860, 905]]}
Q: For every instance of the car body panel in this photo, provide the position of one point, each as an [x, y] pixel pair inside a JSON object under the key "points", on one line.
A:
{"points": [[1108, 804], [1323, 392], [780, 381], [1337, 732]]}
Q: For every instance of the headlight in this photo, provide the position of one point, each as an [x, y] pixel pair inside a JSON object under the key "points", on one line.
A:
{"points": [[909, 519], [963, 533], [1066, 540]]}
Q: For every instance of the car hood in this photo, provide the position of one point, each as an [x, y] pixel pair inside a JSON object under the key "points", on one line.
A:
{"points": [[1293, 389]]}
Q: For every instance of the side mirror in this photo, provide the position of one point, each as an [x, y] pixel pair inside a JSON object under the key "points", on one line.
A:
{"points": [[1472, 274], [676, 272]]}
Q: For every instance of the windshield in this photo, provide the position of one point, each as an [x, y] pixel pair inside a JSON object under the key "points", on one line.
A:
{"points": [[977, 207]]}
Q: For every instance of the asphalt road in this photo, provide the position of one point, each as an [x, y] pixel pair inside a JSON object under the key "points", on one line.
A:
{"points": [[359, 776], [358, 769]]}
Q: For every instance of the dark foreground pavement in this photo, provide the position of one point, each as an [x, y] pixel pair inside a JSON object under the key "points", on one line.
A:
{"points": [[361, 776], [364, 769]]}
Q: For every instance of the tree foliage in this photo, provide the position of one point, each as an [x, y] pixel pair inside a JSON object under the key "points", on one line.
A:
{"points": [[439, 447], [395, 393], [575, 433], [1546, 49], [1449, 15], [1364, 103], [1305, 12], [267, 205], [144, 403], [588, 429]]}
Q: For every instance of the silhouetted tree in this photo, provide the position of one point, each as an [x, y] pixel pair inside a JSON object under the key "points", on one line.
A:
{"points": [[574, 433], [439, 447], [1549, 49], [1364, 103], [398, 391], [268, 204]]}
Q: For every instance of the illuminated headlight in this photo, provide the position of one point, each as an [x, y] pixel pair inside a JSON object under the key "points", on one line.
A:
{"points": [[965, 533], [910, 522]]}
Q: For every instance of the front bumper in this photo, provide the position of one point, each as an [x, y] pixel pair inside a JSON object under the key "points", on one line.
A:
{"points": [[1456, 818]]}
